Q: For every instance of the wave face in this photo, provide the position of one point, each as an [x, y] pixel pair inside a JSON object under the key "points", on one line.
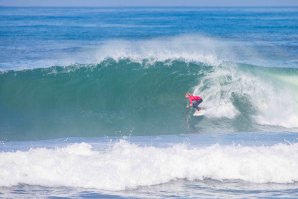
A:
{"points": [[111, 98], [126, 97], [124, 165]]}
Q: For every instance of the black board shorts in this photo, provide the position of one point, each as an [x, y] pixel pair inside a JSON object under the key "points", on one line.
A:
{"points": [[196, 103]]}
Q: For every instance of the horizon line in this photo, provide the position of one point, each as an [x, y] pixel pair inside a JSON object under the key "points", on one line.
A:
{"points": [[161, 6]]}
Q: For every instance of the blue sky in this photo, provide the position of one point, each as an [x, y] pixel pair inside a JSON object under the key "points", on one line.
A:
{"points": [[149, 3]]}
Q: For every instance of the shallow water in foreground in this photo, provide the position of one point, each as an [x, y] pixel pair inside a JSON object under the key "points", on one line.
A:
{"points": [[194, 166]]}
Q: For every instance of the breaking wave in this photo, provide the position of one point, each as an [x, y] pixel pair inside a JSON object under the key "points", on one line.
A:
{"points": [[124, 165], [137, 88]]}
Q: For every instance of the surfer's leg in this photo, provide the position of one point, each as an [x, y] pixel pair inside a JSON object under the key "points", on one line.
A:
{"points": [[197, 103]]}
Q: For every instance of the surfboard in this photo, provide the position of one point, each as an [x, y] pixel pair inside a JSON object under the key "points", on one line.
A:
{"points": [[199, 113]]}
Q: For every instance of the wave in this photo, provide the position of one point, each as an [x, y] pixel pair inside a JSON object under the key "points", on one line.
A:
{"points": [[130, 98], [125, 165], [137, 88]]}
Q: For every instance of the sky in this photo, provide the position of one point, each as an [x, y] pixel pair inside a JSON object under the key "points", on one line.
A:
{"points": [[119, 3]]}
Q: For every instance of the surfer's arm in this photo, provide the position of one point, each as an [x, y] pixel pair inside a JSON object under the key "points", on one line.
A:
{"points": [[190, 103]]}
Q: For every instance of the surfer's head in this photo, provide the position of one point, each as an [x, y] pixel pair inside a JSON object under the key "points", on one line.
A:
{"points": [[187, 94]]}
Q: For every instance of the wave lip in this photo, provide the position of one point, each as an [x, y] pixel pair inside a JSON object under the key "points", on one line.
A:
{"points": [[125, 165], [188, 48]]}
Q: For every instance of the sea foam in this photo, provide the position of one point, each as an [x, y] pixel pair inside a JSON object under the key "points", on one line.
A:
{"points": [[125, 165], [267, 100]]}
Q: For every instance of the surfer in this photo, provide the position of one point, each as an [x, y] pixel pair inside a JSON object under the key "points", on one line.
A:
{"points": [[194, 100]]}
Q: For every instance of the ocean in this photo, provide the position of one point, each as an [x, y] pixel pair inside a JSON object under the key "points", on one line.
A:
{"points": [[92, 102]]}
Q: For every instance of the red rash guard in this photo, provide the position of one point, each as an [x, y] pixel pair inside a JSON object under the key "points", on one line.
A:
{"points": [[193, 98]]}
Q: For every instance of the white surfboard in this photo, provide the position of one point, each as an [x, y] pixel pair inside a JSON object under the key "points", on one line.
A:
{"points": [[199, 113]]}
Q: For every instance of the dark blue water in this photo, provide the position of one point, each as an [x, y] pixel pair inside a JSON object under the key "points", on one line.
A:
{"points": [[91, 102], [36, 36]]}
